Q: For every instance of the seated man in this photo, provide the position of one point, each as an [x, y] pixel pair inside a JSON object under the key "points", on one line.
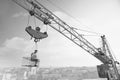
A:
{"points": [[34, 57]]}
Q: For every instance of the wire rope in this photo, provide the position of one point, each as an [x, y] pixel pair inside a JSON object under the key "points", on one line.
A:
{"points": [[35, 22], [87, 31], [73, 18], [28, 20]]}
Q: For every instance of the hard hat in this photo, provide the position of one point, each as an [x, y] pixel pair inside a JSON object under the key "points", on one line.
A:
{"points": [[36, 51]]}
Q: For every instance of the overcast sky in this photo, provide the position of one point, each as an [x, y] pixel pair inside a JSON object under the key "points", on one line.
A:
{"points": [[101, 16]]}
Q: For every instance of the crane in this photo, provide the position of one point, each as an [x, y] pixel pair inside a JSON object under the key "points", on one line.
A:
{"points": [[106, 70]]}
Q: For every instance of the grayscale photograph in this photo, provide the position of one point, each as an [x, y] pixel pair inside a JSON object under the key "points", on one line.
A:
{"points": [[59, 40]]}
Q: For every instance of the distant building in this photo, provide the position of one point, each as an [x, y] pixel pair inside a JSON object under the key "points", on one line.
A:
{"points": [[9, 76], [97, 79]]}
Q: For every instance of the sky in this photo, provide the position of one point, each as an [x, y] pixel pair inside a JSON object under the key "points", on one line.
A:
{"points": [[100, 16]]}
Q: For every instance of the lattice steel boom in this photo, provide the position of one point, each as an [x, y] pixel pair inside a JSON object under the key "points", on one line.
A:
{"points": [[48, 18]]}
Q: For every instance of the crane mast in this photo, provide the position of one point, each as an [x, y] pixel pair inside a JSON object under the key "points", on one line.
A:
{"points": [[48, 18], [112, 65]]}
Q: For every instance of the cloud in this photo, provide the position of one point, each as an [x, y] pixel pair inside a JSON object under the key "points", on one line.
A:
{"points": [[104, 23], [52, 50], [13, 50], [20, 14], [79, 27], [80, 24], [66, 18]]}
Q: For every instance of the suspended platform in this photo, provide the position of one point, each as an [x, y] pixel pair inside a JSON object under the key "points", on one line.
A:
{"points": [[27, 62]]}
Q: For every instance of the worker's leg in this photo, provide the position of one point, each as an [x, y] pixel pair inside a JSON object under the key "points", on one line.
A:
{"points": [[36, 62]]}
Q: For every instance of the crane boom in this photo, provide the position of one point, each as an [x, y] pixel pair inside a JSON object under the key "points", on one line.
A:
{"points": [[48, 18]]}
